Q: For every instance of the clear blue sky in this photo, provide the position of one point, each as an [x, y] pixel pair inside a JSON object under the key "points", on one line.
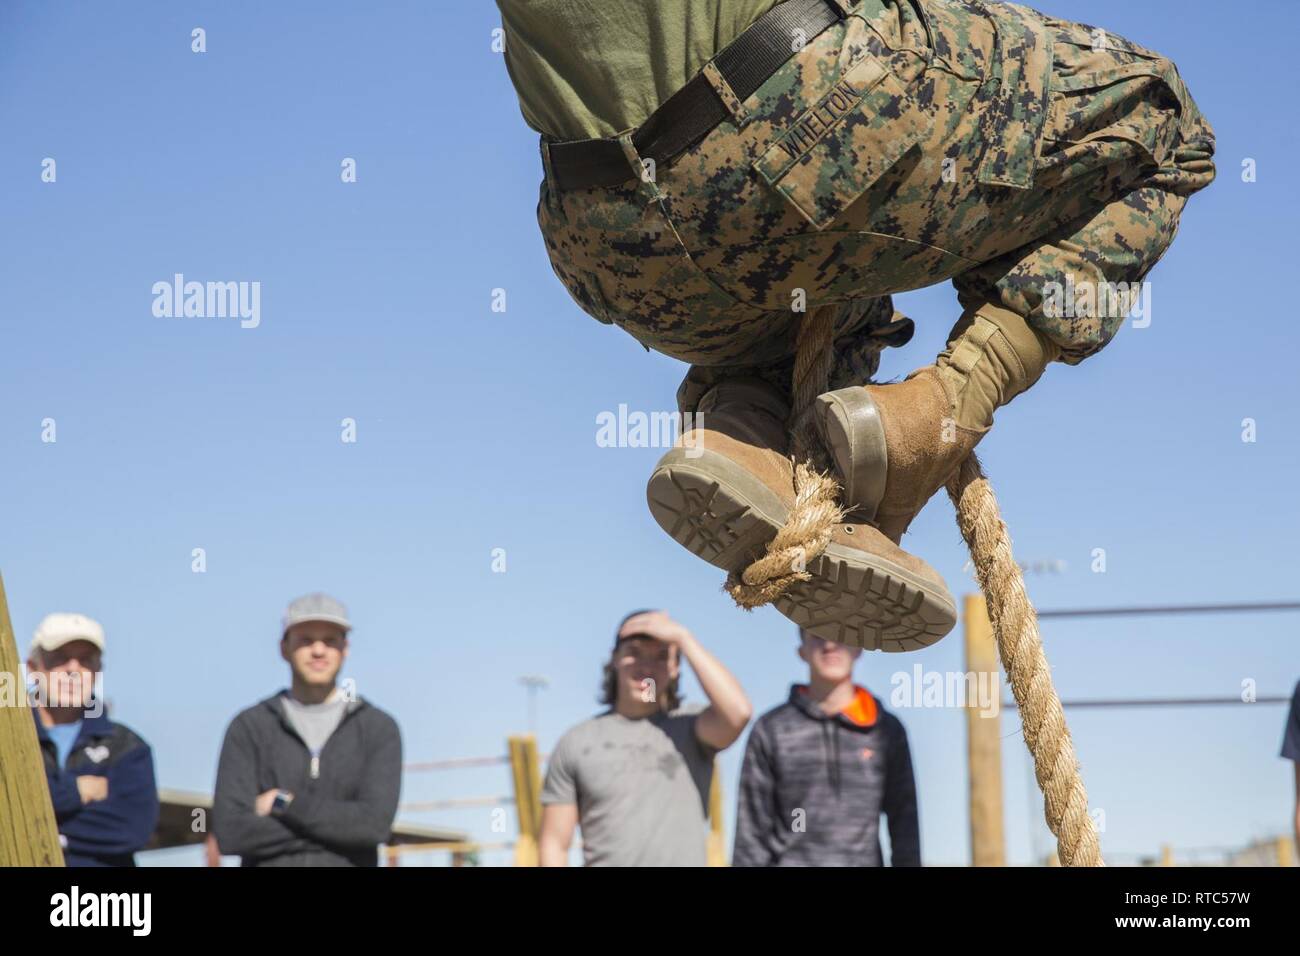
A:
{"points": [[476, 429]]}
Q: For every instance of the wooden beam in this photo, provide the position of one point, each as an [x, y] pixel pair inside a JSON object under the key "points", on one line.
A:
{"points": [[717, 850], [525, 769], [983, 739], [28, 833]]}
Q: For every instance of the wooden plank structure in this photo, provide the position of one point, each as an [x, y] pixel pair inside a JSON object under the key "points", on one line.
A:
{"points": [[526, 772], [717, 849], [28, 833], [983, 740]]}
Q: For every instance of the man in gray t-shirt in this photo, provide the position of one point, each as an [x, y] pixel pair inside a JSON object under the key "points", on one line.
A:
{"points": [[636, 779]]}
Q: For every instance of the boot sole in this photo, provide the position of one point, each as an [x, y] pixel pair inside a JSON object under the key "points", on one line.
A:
{"points": [[719, 512], [867, 601], [714, 508]]}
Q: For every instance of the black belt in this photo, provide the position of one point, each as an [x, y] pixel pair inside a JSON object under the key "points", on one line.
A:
{"points": [[692, 112]]}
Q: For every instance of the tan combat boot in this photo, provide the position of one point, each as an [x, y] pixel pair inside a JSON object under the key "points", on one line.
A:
{"points": [[727, 487], [896, 445]]}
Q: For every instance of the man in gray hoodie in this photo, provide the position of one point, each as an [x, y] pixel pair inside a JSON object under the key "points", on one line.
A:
{"points": [[820, 770], [311, 775]]}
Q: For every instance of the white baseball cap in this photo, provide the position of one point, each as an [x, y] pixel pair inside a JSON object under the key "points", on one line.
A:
{"points": [[59, 629]]}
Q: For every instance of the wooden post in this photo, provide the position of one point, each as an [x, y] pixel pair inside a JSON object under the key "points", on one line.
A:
{"points": [[717, 851], [1284, 849], [1166, 855], [526, 771], [983, 740], [28, 833]]}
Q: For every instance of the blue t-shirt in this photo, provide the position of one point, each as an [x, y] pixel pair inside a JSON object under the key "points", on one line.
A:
{"points": [[1291, 738], [64, 736]]}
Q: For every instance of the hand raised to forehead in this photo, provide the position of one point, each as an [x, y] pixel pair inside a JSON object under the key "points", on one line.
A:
{"points": [[656, 624]]}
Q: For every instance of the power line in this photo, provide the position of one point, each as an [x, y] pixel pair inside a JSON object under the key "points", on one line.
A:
{"points": [[459, 763], [1164, 702], [1173, 609]]}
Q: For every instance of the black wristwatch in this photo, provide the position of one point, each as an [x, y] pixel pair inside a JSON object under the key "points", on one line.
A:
{"points": [[281, 802]]}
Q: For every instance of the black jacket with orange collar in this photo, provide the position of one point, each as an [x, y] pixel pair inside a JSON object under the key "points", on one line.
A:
{"points": [[813, 787]]}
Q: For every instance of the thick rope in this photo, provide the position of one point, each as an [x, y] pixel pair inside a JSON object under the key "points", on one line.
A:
{"points": [[816, 510], [1015, 625], [808, 531]]}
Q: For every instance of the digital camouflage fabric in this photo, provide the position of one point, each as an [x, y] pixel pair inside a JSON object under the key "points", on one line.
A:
{"points": [[914, 142]]}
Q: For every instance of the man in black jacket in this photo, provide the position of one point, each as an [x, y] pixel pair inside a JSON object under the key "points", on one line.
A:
{"points": [[100, 772], [820, 770], [1291, 751], [309, 776]]}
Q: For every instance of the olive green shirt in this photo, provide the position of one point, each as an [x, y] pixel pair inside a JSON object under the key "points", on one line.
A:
{"points": [[595, 68]]}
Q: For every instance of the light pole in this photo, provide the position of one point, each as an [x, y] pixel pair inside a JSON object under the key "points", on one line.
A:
{"points": [[533, 683]]}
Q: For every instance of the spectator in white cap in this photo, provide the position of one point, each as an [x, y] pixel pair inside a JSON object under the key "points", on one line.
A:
{"points": [[309, 776], [100, 772]]}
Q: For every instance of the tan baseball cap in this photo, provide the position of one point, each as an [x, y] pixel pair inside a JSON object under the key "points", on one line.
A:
{"points": [[61, 628]]}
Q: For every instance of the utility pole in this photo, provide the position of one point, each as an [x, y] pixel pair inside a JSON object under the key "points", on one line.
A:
{"points": [[533, 683], [983, 740]]}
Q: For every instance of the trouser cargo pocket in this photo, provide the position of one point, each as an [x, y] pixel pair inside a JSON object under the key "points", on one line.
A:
{"points": [[843, 142], [1015, 97]]}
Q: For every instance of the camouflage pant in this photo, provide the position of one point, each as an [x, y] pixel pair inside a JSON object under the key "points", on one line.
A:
{"points": [[916, 141]]}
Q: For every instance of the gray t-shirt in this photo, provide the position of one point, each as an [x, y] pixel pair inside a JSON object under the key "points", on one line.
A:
{"points": [[641, 788], [314, 722]]}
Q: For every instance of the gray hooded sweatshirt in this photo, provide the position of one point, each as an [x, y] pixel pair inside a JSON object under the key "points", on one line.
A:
{"points": [[344, 800], [813, 787]]}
